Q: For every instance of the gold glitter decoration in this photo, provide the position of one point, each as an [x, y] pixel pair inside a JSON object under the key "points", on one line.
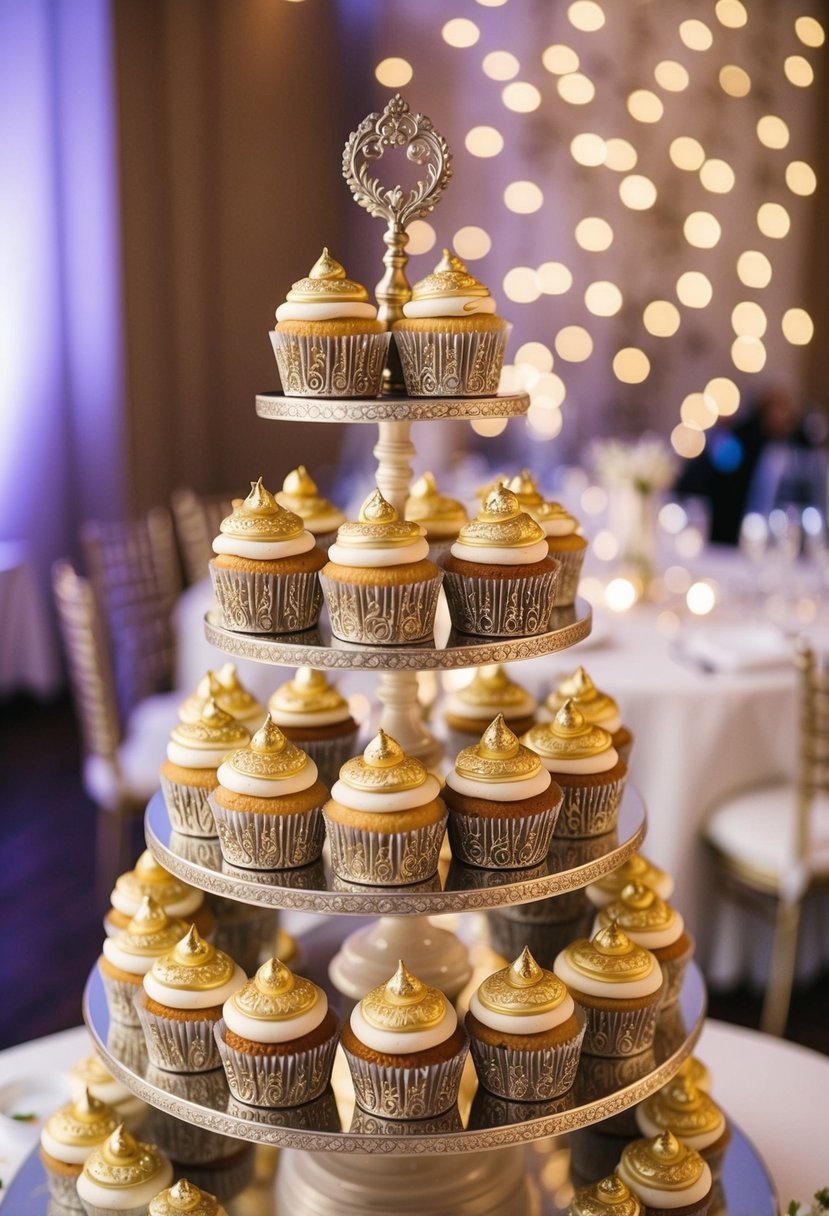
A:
{"points": [[193, 965], [595, 705], [684, 1109], [609, 1194], [184, 1197], [234, 697], [500, 479], [491, 687], [449, 279], [697, 1073], [569, 736], [501, 523], [214, 728], [300, 494], [275, 994], [151, 931], [525, 490], [403, 1004], [610, 956], [309, 692], [664, 1163], [326, 283], [149, 878], [639, 909], [260, 517], [270, 755], [426, 503], [122, 1161], [192, 706], [498, 756], [85, 1123], [90, 1071], [378, 527], [553, 512], [384, 766], [521, 989]]}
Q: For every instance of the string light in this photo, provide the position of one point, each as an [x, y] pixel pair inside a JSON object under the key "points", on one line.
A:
{"points": [[717, 176], [686, 153], [734, 81], [671, 76], [772, 131], [698, 412], [586, 15], [731, 14], [576, 89], [702, 230], [645, 106], [809, 31], [799, 71], [521, 285], [537, 355], [748, 355], [637, 192], [773, 220], [696, 35], [748, 319], [687, 442], [602, 298]]}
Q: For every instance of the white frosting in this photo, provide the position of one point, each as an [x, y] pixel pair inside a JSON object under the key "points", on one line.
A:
{"points": [[193, 757], [320, 717], [69, 1154], [700, 1141], [373, 559], [610, 722], [653, 939], [654, 1198], [459, 708], [515, 555], [557, 527], [386, 801], [135, 964], [264, 550], [325, 310], [114, 1199], [404, 1043], [184, 998], [190, 902], [448, 306], [273, 1030], [531, 1023], [499, 791], [593, 986], [111, 1091], [261, 787], [580, 766]]}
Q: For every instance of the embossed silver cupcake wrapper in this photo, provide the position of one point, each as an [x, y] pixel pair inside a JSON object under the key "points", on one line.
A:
{"points": [[568, 852], [188, 808], [570, 564], [127, 1044], [452, 365], [367, 1124], [406, 1093], [589, 810], [120, 996], [184, 1142], [248, 939], [203, 850], [384, 859], [321, 1115], [527, 1075], [269, 842], [490, 1111], [274, 1081], [267, 603], [554, 910], [330, 755], [673, 972], [382, 616], [509, 937], [599, 1076], [177, 1046], [63, 1190], [620, 1032], [508, 843], [347, 366], [500, 608]]}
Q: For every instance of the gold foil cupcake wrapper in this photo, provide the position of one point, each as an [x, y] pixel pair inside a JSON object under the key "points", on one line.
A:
{"points": [[449, 279], [286, 1080], [188, 808], [501, 607], [498, 757], [347, 366], [260, 517], [326, 282], [308, 692], [511, 843], [269, 842], [384, 766], [446, 364], [525, 1075], [266, 603], [382, 615], [385, 859], [406, 1093]]}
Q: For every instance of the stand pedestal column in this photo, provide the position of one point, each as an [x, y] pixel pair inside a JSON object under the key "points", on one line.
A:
{"points": [[369, 956]]}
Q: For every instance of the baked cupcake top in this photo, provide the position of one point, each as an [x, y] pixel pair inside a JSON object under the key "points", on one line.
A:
{"points": [[498, 768], [522, 998], [177, 898], [275, 1006], [607, 1197], [449, 291], [300, 494], [664, 1172], [403, 1016], [689, 1112], [647, 919], [123, 1173], [636, 869], [572, 745], [325, 294], [150, 933], [269, 767], [608, 965], [308, 699], [70, 1134], [259, 528], [193, 975], [439, 515], [379, 537], [501, 534], [185, 1199], [598, 707], [489, 692], [384, 779], [229, 693], [205, 742]]}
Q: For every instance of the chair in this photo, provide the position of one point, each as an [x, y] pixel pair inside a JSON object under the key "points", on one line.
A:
{"points": [[771, 844], [197, 518]]}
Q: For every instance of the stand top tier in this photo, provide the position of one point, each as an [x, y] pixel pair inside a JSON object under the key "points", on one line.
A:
{"points": [[391, 408]]}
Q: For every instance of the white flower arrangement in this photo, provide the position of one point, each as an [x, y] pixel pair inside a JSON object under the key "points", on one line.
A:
{"points": [[648, 465]]}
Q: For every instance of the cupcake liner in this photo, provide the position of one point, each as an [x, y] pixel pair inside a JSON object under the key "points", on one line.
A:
{"points": [[673, 972], [570, 564], [619, 1032], [568, 852], [591, 810], [276, 1081], [188, 808], [527, 1076], [500, 608], [545, 941], [463, 877], [384, 859], [247, 938], [379, 615], [336, 883], [594, 1155], [120, 997], [366, 1124], [508, 843], [321, 1115], [266, 603], [224, 1179], [63, 1189], [202, 850], [255, 841], [177, 1046], [184, 1142], [554, 910], [488, 1110], [406, 1093], [93, 1209], [350, 365], [442, 364], [671, 1031], [127, 1044], [600, 1076]]}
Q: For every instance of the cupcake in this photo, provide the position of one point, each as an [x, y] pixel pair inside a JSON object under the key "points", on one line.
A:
{"points": [[525, 1032], [122, 1175], [379, 586], [244, 931], [692, 1115], [328, 341], [607, 1197], [440, 517], [498, 577], [385, 819], [181, 1001], [313, 714], [619, 985], [650, 921], [321, 517], [503, 804], [597, 707], [229, 693], [177, 898], [194, 752], [265, 569], [405, 1049], [451, 343], [584, 762], [468, 710], [563, 534], [128, 956], [666, 1175], [267, 804], [185, 1199], [89, 1073], [277, 1039], [68, 1137], [697, 1073], [636, 869]]}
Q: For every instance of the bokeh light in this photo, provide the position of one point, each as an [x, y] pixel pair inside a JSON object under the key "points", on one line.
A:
{"points": [[460, 32], [725, 395], [748, 319], [773, 220], [593, 234], [696, 35], [489, 427], [798, 327], [799, 71], [717, 176], [549, 388], [631, 365], [731, 13], [588, 149], [521, 285], [537, 355], [559, 59], [521, 97], [554, 278], [394, 73], [748, 355], [645, 106], [621, 155], [545, 419], [661, 318], [620, 594], [501, 65], [701, 597], [586, 15], [671, 76], [576, 89], [686, 441], [772, 131], [698, 411], [754, 269], [602, 298], [686, 153], [574, 343], [735, 81], [694, 289], [471, 242], [702, 230], [637, 192], [809, 31], [422, 237], [801, 178], [523, 198]]}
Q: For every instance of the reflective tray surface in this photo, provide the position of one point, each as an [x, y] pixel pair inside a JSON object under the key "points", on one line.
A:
{"points": [[393, 408]]}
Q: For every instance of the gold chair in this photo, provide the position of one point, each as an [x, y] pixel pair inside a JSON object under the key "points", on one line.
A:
{"points": [[771, 844], [197, 518]]}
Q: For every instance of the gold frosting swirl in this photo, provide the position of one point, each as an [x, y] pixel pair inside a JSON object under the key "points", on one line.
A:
{"points": [[260, 517], [523, 988], [193, 965], [234, 697], [151, 931], [378, 527], [501, 523], [610, 955], [525, 489], [384, 767], [215, 728], [640, 910], [609, 1195], [684, 1109], [553, 512], [185, 1197], [275, 994], [491, 687], [500, 479], [569, 736], [696, 1072], [403, 1004], [83, 1123], [595, 705], [426, 503], [663, 1163], [326, 283], [90, 1071], [300, 494], [149, 878], [498, 756], [309, 692], [122, 1161], [269, 755], [636, 869], [449, 279]]}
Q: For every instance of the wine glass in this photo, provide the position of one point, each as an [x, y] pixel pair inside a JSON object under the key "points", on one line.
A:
{"points": [[753, 543]]}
